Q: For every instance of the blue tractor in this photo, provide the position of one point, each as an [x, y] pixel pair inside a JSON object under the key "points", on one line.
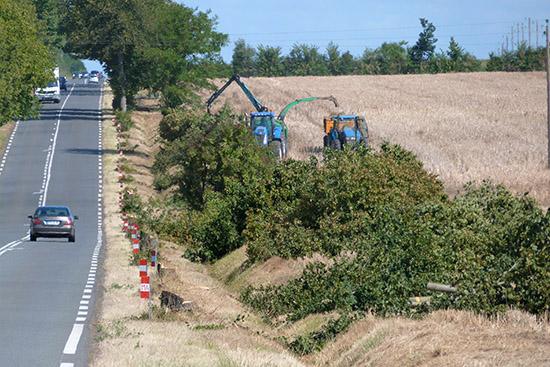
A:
{"points": [[269, 129], [341, 130]]}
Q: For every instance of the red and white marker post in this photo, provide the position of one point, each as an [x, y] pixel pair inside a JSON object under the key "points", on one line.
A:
{"points": [[135, 245], [153, 258], [142, 268], [145, 288]]}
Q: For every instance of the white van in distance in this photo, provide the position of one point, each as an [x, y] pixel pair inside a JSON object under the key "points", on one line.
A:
{"points": [[51, 92]]}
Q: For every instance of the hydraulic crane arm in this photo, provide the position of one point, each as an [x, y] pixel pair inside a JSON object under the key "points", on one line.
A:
{"points": [[287, 108], [236, 78]]}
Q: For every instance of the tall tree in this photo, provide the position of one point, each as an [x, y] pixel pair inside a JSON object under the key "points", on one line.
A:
{"points": [[143, 43], [333, 59], [392, 57], [50, 13], [369, 62], [424, 48], [243, 60], [25, 62], [306, 60], [348, 64], [269, 61]]}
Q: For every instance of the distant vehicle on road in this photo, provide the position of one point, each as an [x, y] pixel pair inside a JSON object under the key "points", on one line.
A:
{"points": [[51, 92], [52, 221], [93, 79], [63, 83]]}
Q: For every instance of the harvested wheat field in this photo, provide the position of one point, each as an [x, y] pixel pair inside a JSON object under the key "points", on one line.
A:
{"points": [[464, 127]]}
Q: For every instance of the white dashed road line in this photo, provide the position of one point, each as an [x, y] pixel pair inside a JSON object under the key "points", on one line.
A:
{"points": [[74, 338], [71, 346], [47, 170]]}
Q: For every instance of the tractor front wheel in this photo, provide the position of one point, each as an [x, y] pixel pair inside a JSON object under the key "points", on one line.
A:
{"points": [[277, 149], [336, 144]]}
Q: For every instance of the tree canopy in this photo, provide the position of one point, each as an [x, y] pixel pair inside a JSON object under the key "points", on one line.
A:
{"points": [[151, 44], [26, 63]]}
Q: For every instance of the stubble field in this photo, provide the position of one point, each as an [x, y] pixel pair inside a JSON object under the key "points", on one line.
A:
{"points": [[464, 127]]}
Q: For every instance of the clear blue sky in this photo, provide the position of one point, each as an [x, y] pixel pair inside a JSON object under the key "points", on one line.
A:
{"points": [[356, 24], [479, 26]]}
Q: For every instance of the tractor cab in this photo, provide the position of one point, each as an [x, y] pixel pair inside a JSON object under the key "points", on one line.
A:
{"points": [[269, 131], [261, 124], [345, 129]]}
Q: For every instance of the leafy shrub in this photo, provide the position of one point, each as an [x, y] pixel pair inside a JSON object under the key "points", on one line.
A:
{"points": [[325, 208], [491, 244], [316, 340], [385, 223], [124, 119], [220, 174]]}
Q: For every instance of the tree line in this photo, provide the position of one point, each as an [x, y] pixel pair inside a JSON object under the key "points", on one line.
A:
{"points": [[167, 47], [388, 58]]}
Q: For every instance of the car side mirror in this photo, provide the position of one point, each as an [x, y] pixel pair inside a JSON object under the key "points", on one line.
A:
{"points": [[30, 216], [76, 217]]}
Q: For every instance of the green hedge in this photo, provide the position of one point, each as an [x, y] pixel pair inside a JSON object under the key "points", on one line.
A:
{"points": [[384, 224]]}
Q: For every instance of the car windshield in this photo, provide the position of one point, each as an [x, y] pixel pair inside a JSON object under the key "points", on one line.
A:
{"points": [[52, 84], [51, 212]]}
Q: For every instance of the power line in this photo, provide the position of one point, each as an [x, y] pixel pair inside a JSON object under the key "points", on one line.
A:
{"points": [[371, 29], [409, 37]]}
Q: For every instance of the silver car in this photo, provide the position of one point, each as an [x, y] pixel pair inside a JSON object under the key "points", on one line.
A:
{"points": [[52, 221]]}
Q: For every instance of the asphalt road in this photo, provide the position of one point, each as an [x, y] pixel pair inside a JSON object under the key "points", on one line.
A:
{"points": [[47, 288]]}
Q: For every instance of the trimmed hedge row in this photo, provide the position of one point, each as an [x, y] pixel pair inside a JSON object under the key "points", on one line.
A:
{"points": [[383, 221]]}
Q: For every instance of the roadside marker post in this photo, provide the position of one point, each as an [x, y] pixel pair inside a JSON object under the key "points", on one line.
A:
{"points": [[135, 246], [142, 268], [144, 288], [153, 258]]}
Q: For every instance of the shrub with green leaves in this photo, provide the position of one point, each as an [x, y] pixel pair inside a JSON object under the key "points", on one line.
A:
{"points": [[220, 174], [323, 208], [383, 223], [492, 245], [125, 120]]}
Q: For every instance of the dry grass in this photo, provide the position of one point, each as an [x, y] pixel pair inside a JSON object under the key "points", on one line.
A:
{"points": [[5, 131], [234, 271], [443, 338], [123, 338], [464, 127], [142, 144]]}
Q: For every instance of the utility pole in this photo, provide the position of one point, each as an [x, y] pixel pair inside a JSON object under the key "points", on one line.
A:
{"points": [[512, 37], [529, 31], [522, 33], [517, 30], [537, 32], [507, 43], [548, 88]]}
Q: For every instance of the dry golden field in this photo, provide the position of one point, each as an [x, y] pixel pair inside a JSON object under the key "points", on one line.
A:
{"points": [[464, 127]]}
